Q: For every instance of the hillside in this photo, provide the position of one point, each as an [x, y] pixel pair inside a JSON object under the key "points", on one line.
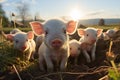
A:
{"points": [[95, 21]]}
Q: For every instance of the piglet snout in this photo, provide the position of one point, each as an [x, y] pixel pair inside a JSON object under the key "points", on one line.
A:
{"points": [[74, 54], [24, 47], [56, 43], [93, 41]]}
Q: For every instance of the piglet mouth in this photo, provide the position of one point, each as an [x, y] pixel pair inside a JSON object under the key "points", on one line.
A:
{"points": [[23, 48], [74, 55], [57, 43], [92, 41]]}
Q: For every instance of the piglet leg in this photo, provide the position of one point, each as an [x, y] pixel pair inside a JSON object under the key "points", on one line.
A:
{"points": [[41, 63], [87, 56], [63, 63], [93, 52], [49, 63]]}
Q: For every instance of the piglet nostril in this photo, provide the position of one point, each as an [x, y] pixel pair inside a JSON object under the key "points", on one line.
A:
{"points": [[24, 47], [93, 41], [56, 43]]}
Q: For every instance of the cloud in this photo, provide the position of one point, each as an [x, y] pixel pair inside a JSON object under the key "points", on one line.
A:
{"points": [[29, 1], [12, 4], [1, 1], [18, 3], [34, 1], [6, 4], [95, 13]]}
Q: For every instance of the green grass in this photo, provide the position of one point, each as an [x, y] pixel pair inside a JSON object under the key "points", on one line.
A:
{"points": [[95, 26], [9, 56], [105, 27], [7, 30], [112, 75]]}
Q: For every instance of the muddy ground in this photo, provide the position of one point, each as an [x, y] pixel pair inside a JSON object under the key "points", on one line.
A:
{"points": [[81, 71]]}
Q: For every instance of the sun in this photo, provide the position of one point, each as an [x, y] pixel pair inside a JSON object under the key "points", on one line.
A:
{"points": [[76, 14]]}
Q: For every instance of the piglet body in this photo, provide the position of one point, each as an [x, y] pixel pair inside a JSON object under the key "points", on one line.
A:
{"points": [[109, 34], [88, 41], [23, 41], [55, 47], [75, 49]]}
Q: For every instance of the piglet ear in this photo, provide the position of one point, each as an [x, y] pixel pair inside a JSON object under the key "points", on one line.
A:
{"points": [[10, 37], [30, 35], [99, 32], [81, 32], [71, 27], [37, 27]]}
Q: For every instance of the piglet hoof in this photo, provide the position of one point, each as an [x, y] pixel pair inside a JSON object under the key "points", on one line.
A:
{"points": [[49, 70], [31, 59], [88, 60], [42, 70], [41, 67], [93, 59], [62, 69]]}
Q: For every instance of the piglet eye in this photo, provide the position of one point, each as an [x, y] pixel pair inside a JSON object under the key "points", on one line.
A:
{"points": [[46, 32], [87, 35], [16, 41], [64, 31], [96, 34], [26, 39]]}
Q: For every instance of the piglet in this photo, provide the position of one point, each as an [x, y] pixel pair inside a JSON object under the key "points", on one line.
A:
{"points": [[23, 42], [109, 34], [88, 41], [55, 47], [75, 49]]}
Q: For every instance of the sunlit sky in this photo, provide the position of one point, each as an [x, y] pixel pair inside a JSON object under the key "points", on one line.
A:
{"points": [[81, 9]]}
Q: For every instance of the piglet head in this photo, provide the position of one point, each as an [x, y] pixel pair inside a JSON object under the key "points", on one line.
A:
{"points": [[109, 34], [106, 36], [55, 32], [74, 49], [22, 40], [89, 35]]}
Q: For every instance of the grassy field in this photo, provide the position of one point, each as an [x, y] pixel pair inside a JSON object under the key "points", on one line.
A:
{"points": [[107, 27], [95, 26], [9, 56], [7, 30]]}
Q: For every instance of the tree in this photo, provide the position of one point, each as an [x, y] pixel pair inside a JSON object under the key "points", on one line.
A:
{"points": [[23, 12], [101, 22], [5, 21], [37, 17]]}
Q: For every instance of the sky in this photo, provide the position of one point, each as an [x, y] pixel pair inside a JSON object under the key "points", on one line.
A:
{"points": [[78, 9]]}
